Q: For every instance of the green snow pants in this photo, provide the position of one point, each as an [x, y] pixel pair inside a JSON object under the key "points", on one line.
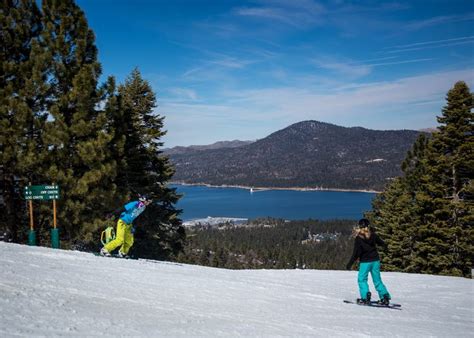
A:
{"points": [[362, 278]]}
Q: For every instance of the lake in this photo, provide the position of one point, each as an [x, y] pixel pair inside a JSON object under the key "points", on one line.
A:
{"points": [[200, 202]]}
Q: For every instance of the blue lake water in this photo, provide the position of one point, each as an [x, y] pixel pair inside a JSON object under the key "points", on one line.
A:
{"points": [[201, 202]]}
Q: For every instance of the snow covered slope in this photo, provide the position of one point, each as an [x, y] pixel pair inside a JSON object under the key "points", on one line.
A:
{"points": [[54, 292]]}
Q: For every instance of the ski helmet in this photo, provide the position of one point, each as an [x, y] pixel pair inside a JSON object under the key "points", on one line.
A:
{"points": [[363, 223], [144, 198]]}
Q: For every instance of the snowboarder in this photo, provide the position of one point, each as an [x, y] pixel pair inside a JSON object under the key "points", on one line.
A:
{"points": [[369, 261], [125, 230]]}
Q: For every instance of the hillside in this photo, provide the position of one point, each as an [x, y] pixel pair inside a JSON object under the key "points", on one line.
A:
{"points": [[46, 292], [306, 154], [271, 244]]}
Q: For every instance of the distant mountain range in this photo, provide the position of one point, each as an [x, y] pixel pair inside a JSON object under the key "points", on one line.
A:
{"points": [[307, 154], [217, 145]]}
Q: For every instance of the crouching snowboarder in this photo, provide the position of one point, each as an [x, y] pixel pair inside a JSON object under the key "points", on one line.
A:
{"points": [[124, 233], [369, 261]]}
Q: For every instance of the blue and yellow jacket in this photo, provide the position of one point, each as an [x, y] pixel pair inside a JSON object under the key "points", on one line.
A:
{"points": [[132, 211]]}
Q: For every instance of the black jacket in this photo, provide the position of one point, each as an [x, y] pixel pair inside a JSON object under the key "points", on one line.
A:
{"points": [[365, 249]]}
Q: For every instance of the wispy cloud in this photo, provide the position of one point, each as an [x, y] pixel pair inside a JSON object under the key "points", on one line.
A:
{"points": [[438, 20], [193, 71], [377, 59], [297, 13], [216, 65], [400, 62], [270, 13], [183, 93], [356, 69], [416, 44], [373, 98], [349, 68], [373, 7], [454, 43], [411, 101], [231, 62]]}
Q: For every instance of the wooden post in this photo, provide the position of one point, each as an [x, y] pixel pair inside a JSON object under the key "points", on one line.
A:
{"points": [[54, 231], [54, 214], [31, 234], [30, 202]]}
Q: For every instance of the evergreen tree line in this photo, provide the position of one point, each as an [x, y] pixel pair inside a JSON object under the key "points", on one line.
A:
{"points": [[426, 216], [100, 142], [308, 244]]}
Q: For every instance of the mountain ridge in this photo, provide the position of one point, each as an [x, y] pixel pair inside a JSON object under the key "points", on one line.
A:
{"points": [[215, 145], [307, 154]]}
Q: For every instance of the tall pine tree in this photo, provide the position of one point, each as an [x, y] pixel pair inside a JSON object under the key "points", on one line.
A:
{"points": [[23, 90], [395, 209], [145, 170], [78, 132], [451, 162], [427, 215]]}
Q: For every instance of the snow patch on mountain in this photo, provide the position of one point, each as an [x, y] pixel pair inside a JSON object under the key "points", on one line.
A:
{"points": [[375, 160]]}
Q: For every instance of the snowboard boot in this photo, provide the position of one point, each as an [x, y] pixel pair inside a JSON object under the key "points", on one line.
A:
{"points": [[104, 252], [364, 300], [385, 300], [122, 255]]}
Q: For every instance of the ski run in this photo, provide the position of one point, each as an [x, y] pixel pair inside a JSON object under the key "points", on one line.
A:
{"points": [[46, 292]]}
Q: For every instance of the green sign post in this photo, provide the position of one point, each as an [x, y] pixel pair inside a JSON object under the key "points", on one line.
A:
{"points": [[42, 193]]}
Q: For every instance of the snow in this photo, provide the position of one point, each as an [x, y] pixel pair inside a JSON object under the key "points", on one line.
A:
{"points": [[214, 221], [376, 160], [49, 292]]}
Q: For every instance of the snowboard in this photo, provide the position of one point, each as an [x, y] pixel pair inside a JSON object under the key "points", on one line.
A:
{"points": [[376, 304], [114, 256]]}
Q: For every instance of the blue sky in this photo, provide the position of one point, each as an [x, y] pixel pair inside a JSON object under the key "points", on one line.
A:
{"points": [[225, 70]]}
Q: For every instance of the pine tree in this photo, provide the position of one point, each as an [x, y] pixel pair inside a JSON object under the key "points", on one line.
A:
{"points": [[394, 211], [23, 90], [117, 127], [451, 161], [77, 133], [427, 215], [145, 170]]}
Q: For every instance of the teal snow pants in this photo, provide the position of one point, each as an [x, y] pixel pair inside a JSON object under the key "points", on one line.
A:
{"points": [[374, 269]]}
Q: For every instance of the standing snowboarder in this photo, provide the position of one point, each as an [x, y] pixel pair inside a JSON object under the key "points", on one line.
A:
{"points": [[124, 233], [369, 261]]}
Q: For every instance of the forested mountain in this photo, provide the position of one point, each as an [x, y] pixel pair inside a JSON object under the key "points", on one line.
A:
{"points": [[216, 145], [305, 154]]}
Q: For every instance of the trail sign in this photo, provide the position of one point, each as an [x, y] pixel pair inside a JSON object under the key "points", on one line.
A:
{"points": [[42, 192]]}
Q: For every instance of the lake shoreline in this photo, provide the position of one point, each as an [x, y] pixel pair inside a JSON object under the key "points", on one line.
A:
{"points": [[255, 189]]}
